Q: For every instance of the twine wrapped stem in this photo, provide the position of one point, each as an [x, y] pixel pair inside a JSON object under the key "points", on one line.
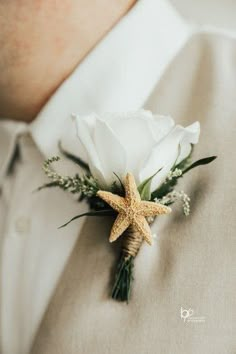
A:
{"points": [[132, 241]]}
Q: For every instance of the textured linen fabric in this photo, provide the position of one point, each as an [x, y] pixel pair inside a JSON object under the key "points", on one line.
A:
{"points": [[151, 59], [192, 263]]}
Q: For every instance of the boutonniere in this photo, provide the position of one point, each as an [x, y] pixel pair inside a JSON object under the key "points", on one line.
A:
{"points": [[134, 162]]}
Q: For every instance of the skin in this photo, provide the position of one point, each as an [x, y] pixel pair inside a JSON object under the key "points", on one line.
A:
{"points": [[42, 41]]}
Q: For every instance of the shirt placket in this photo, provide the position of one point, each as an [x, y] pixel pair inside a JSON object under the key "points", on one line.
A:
{"points": [[17, 233]]}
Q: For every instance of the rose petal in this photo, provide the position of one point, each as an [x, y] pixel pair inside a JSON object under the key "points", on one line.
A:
{"points": [[161, 126], [191, 136], [163, 156], [136, 137], [111, 153], [84, 132]]}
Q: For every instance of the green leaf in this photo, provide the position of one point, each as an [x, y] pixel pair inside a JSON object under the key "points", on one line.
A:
{"points": [[108, 212], [145, 186], [184, 163], [168, 186], [121, 184], [74, 158], [200, 162], [179, 151], [165, 188], [46, 185]]}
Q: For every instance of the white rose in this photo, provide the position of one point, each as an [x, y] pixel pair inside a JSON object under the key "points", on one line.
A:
{"points": [[137, 142]]}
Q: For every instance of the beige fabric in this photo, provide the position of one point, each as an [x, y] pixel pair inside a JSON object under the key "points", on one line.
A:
{"points": [[192, 263]]}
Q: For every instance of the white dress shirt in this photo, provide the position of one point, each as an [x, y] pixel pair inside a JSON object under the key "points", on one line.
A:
{"points": [[120, 74]]}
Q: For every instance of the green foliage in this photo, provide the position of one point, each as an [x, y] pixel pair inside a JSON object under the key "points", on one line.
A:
{"points": [[47, 185], [168, 185], [109, 212], [145, 187], [124, 278], [74, 158], [200, 162], [86, 185], [165, 188], [118, 188], [185, 162]]}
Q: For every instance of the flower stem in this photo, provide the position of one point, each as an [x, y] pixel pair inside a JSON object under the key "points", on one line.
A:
{"points": [[132, 242], [123, 279]]}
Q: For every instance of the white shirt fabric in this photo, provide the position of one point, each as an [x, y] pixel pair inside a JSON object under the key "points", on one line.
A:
{"points": [[120, 74]]}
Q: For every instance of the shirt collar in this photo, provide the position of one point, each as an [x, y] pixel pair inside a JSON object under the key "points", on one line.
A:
{"points": [[118, 75], [9, 131]]}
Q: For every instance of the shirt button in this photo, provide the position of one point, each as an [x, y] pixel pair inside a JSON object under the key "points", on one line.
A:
{"points": [[22, 225]]}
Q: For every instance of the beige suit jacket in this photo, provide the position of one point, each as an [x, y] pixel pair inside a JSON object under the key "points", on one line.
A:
{"points": [[192, 263]]}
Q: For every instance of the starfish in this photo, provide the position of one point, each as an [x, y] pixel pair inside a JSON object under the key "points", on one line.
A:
{"points": [[132, 210]]}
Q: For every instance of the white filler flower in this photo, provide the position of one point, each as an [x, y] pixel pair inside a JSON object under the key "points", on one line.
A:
{"points": [[138, 142]]}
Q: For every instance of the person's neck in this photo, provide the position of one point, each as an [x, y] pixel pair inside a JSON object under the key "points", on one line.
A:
{"points": [[40, 54]]}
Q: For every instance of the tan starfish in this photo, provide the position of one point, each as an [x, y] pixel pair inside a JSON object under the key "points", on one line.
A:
{"points": [[132, 210]]}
